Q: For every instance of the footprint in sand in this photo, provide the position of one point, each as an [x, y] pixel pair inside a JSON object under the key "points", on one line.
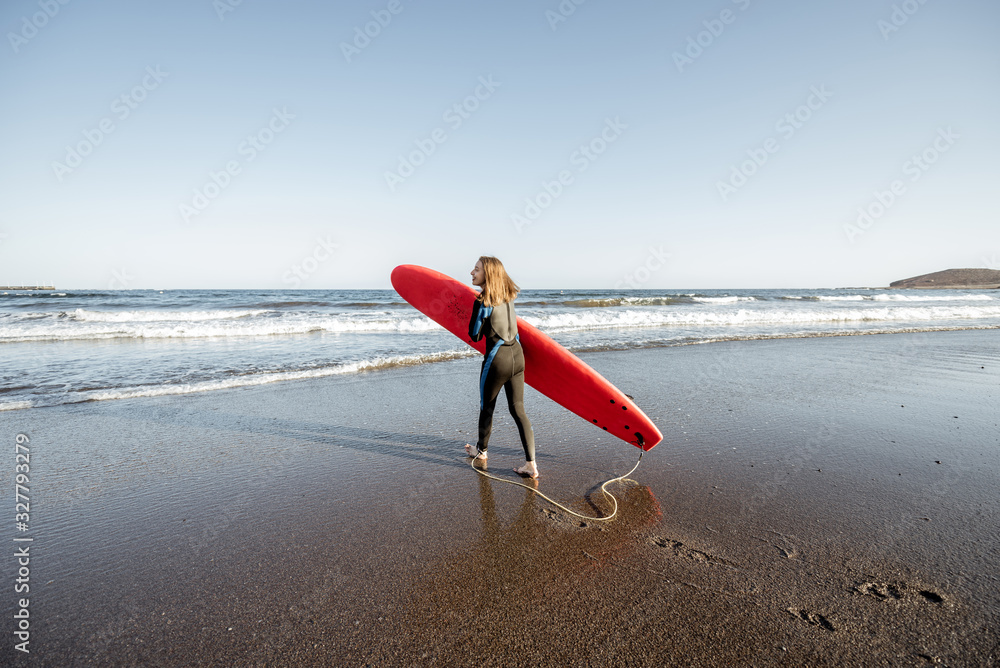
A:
{"points": [[815, 619], [898, 591], [880, 590], [931, 596], [679, 549], [788, 548]]}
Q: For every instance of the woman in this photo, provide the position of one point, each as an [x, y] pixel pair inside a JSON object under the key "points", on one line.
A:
{"points": [[494, 319]]}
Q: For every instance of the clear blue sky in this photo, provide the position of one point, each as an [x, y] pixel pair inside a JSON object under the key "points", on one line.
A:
{"points": [[676, 117]]}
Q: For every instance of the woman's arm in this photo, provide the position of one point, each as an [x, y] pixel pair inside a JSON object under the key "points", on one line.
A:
{"points": [[479, 313]]}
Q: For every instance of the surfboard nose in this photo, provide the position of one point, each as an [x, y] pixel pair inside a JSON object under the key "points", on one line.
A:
{"points": [[396, 277]]}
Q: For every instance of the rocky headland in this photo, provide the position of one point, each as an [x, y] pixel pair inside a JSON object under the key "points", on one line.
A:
{"points": [[954, 279]]}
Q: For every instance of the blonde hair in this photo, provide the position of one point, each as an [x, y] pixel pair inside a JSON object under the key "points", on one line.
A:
{"points": [[498, 287]]}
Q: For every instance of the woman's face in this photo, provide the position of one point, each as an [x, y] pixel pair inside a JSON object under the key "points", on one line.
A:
{"points": [[478, 275]]}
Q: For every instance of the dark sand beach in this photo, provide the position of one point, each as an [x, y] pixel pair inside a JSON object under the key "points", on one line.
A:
{"points": [[819, 501]]}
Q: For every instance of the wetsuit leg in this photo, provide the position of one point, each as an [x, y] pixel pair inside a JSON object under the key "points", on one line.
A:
{"points": [[491, 390], [514, 389]]}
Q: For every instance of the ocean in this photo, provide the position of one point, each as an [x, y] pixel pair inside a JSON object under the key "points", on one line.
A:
{"points": [[101, 345]]}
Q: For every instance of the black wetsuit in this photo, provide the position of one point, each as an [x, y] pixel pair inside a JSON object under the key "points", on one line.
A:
{"points": [[503, 366]]}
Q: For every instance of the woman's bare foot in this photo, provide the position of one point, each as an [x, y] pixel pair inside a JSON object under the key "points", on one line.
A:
{"points": [[529, 470], [472, 451]]}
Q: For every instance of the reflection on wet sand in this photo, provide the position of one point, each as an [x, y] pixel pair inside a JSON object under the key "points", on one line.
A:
{"points": [[521, 577]]}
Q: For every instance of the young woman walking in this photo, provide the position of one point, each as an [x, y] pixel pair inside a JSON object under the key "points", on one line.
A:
{"points": [[493, 317]]}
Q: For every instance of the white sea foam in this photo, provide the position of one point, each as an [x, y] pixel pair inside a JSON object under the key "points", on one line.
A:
{"points": [[883, 297], [101, 325], [759, 316], [931, 298], [249, 380], [723, 300], [86, 315], [27, 328]]}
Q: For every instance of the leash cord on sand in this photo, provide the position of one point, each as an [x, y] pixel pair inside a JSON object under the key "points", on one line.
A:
{"points": [[559, 505]]}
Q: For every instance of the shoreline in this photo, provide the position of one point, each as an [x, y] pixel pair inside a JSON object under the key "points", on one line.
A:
{"points": [[363, 367], [793, 514]]}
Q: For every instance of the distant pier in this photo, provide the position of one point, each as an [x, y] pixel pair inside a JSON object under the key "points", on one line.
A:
{"points": [[27, 287]]}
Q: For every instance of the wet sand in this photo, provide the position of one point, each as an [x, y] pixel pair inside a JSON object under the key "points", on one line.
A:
{"points": [[822, 501]]}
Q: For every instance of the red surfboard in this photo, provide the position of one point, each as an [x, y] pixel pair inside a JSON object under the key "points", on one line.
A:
{"points": [[548, 367]]}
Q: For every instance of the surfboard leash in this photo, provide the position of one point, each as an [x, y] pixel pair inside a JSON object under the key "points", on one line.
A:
{"points": [[559, 505]]}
